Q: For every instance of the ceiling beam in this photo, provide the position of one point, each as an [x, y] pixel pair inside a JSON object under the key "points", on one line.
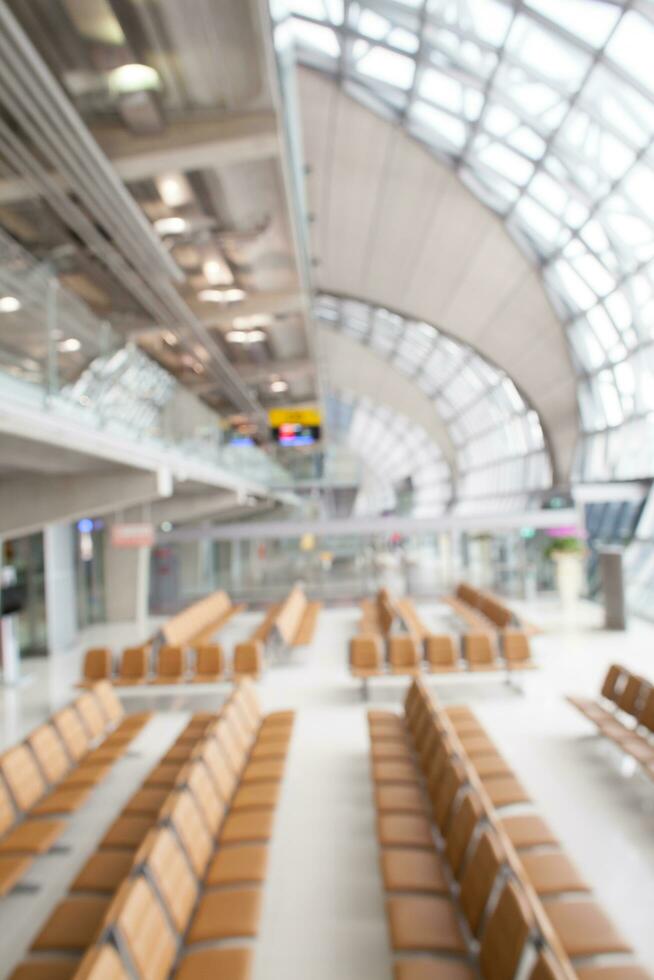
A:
{"points": [[188, 144]]}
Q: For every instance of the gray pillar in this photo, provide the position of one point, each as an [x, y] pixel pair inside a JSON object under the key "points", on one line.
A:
{"points": [[127, 584], [60, 586]]}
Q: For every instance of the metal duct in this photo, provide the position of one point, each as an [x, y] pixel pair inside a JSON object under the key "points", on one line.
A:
{"points": [[34, 99]]}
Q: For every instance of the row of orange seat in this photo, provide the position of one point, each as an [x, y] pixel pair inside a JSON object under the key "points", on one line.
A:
{"points": [[439, 653], [177, 877], [481, 610], [170, 665], [624, 714], [477, 883], [288, 624], [53, 772]]}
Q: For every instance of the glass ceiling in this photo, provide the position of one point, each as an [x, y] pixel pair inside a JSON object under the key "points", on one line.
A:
{"points": [[546, 110], [502, 459], [396, 453]]}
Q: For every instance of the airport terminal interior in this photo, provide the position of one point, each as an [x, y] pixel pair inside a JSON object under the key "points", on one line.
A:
{"points": [[326, 489]]}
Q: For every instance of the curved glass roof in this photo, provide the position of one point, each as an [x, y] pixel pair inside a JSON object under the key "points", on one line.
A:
{"points": [[546, 109], [502, 458], [397, 454]]}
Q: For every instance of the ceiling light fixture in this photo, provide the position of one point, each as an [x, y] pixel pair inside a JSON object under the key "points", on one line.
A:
{"points": [[245, 336], [221, 295], [174, 189], [255, 320], [133, 78], [68, 346], [170, 226], [217, 272], [9, 304], [278, 386]]}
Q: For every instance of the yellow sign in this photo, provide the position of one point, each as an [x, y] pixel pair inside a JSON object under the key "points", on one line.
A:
{"points": [[309, 417]]}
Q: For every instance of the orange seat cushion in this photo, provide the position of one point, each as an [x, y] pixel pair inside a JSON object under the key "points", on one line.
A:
{"points": [[226, 915], [242, 864]]}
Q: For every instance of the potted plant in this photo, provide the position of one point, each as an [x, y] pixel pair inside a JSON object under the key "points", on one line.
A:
{"points": [[567, 550]]}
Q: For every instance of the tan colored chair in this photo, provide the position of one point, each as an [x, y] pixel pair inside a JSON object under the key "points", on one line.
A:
{"points": [[366, 659], [102, 963], [29, 789], [441, 653], [248, 659], [516, 650], [209, 664], [479, 651], [98, 666], [404, 654], [134, 666], [171, 665]]}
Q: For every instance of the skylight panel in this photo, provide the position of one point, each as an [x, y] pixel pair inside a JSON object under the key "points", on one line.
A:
{"points": [[388, 66], [575, 289], [538, 219], [372, 24], [591, 20], [505, 161], [331, 10], [440, 88], [535, 47], [440, 124], [631, 47], [406, 40], [490, 20], [317, 36], [594, 273]]}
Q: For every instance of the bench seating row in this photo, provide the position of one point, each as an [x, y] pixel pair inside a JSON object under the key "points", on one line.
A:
{"points": [[477, 884], [169, 665], [199, 622], [177, 878], [286, 625], [439, 653], [52, 773], [624, 713]]}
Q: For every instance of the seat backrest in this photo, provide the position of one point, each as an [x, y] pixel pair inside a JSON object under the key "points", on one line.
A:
{"points": [[7, 810], [247, 689], [233, 754], [138, 918], [241, 736], [224, 779], [73, 734], [505, 935], [453, 778], [478, 648], [435, 772], [289, 616], [516, 649], [461, 829], [646, 717], [181, 810], [546, 968], [97, 664], [248, 658], [168, 866], [22, 776], [199, 783], [365, 652], [50, 753], [630, 696], [403, 651], [440, 649], [92, 716], [614, 682], [209, 659], [109, 702], [134, 663], [170, 661], [102, 963], [479, 877]]}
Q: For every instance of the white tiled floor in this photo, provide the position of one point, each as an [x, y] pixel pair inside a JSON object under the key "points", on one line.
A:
{"points": [[323, 908]]}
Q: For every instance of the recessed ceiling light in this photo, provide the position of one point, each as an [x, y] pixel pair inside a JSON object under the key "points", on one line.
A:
{"points": [[69, 345], [175, 189], [170, 226], [170, 338], [217, 272], [221, 295], [133, 78], [255, 320], [166, 526], [279, 386], [9, 304], [245, 336]]}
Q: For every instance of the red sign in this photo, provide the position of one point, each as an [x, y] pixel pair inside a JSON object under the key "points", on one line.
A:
{"points": [[132, 535]]}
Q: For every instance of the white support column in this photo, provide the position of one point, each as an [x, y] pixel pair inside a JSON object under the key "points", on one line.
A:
{"points": [[60, 586], [127, 587]]}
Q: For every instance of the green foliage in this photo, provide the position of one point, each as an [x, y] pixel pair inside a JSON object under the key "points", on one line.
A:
{"points": [[564, 546]]}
